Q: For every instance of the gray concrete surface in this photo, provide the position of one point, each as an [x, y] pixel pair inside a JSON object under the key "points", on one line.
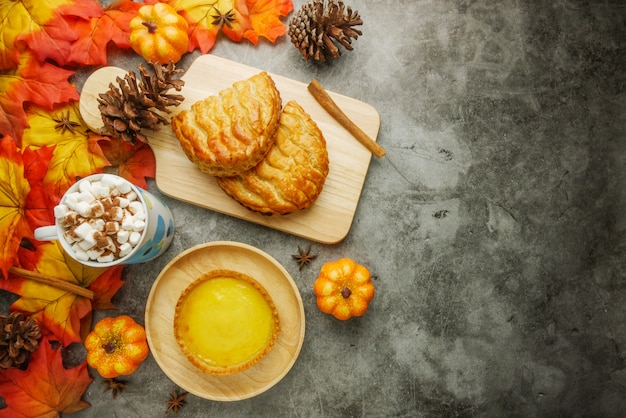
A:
{"points": [[495, 226]]}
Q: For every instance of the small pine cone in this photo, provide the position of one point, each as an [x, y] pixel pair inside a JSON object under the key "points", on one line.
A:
{"points": [[316, 28], [19, 336], [131, 106]]}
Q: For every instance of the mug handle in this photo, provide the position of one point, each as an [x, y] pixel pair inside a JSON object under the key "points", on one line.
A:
{"points": [[46, 233]]}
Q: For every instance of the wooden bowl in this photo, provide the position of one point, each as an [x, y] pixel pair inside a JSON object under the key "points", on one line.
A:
{"points": [[191, 265]]}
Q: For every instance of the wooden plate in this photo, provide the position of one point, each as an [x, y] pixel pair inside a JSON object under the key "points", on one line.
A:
{"points": [[191, 265], [328, 220]]}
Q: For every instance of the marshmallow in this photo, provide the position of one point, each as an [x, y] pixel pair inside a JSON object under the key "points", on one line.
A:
{"points": [[97, 209], [97, 224], [125, 249], [60, 211], [83, 209], [108, 181], [86, 197], [135, 207], [122, 202], [84, 186], [127, 223], [134, 238], [83, 230], [132, 196], [94, 253], [106, 258], [138, 226], [122, 185], [122, 236], [111, 227]]}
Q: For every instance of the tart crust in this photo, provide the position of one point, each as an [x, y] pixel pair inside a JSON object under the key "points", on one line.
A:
{"points": [[225, 322]]}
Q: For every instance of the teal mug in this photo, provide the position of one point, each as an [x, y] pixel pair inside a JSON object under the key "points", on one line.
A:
{"points": [[104, 220]]}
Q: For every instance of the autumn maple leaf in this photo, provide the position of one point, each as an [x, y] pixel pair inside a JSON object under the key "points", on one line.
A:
{"points": [[265, 19], [41, 26], [24, 204], [134, 162], [32, 82], [111, 25], [76, 149], [61, 314], [46, 388]]}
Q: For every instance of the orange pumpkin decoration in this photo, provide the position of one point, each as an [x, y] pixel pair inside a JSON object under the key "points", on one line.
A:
{"points": [[159, 34], [343, 289], [116, 346]]}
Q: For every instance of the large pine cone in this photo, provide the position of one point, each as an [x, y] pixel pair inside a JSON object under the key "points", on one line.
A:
{"points": [[315, 29], [134, 105], [19, 336]]}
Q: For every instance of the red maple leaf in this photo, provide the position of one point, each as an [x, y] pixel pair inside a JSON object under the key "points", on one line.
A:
{"points": [[95, 34], [134, 162], [48, 33], [46, 388], [40, 83]]}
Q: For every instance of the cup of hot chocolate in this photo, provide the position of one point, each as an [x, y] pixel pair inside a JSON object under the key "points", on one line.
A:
{"points": [[104, 220]]}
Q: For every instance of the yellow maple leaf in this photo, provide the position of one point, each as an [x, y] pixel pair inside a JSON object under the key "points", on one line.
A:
{"points": [[76, 152]]}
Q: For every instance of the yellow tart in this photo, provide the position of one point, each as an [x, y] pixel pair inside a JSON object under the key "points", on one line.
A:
{"points": [[225, 322]]}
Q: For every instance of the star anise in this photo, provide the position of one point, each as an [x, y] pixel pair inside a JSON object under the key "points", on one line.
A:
{"points": [[176, 402], [221, 19], [65, 124], [115, 386], [304, 256]]}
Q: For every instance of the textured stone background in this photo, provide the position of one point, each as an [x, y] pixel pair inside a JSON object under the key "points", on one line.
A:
{"points": [[495, 225]]}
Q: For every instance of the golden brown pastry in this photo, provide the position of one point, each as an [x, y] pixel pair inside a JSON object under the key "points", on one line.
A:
{"points": [[231, 132], [291, 175]]}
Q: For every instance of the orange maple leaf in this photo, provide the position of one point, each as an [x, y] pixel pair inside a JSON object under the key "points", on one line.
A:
{"points": [[46, 388], [265, 19], [61, 314], [39, 83], [111, 25], [24, 204], [105, 287], [76, 149], [134, 162], [42, 27]]}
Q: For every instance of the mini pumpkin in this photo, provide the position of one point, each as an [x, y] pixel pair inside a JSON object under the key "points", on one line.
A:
{"points": [[343, 289], [159, 34], [116, 346]]}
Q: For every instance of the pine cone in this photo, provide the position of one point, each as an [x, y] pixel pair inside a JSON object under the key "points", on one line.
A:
{"points": [[128, 108], [315, 29], [19, 336]]}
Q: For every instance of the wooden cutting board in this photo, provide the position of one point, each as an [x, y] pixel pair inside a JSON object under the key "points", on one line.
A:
{"points": [[327, 221]]}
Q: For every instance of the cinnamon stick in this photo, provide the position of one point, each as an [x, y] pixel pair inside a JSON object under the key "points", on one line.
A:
{"points": [[324, 99], [53, 281]]}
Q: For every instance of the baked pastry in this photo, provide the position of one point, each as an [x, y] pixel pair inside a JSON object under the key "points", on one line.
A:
{"points": [[292, 174], [225, 322], [230, 132]]}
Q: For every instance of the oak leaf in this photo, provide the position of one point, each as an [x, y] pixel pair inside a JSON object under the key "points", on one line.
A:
{"points": [[38, 83], [61, 314], [77, 152], [46, 388]]}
